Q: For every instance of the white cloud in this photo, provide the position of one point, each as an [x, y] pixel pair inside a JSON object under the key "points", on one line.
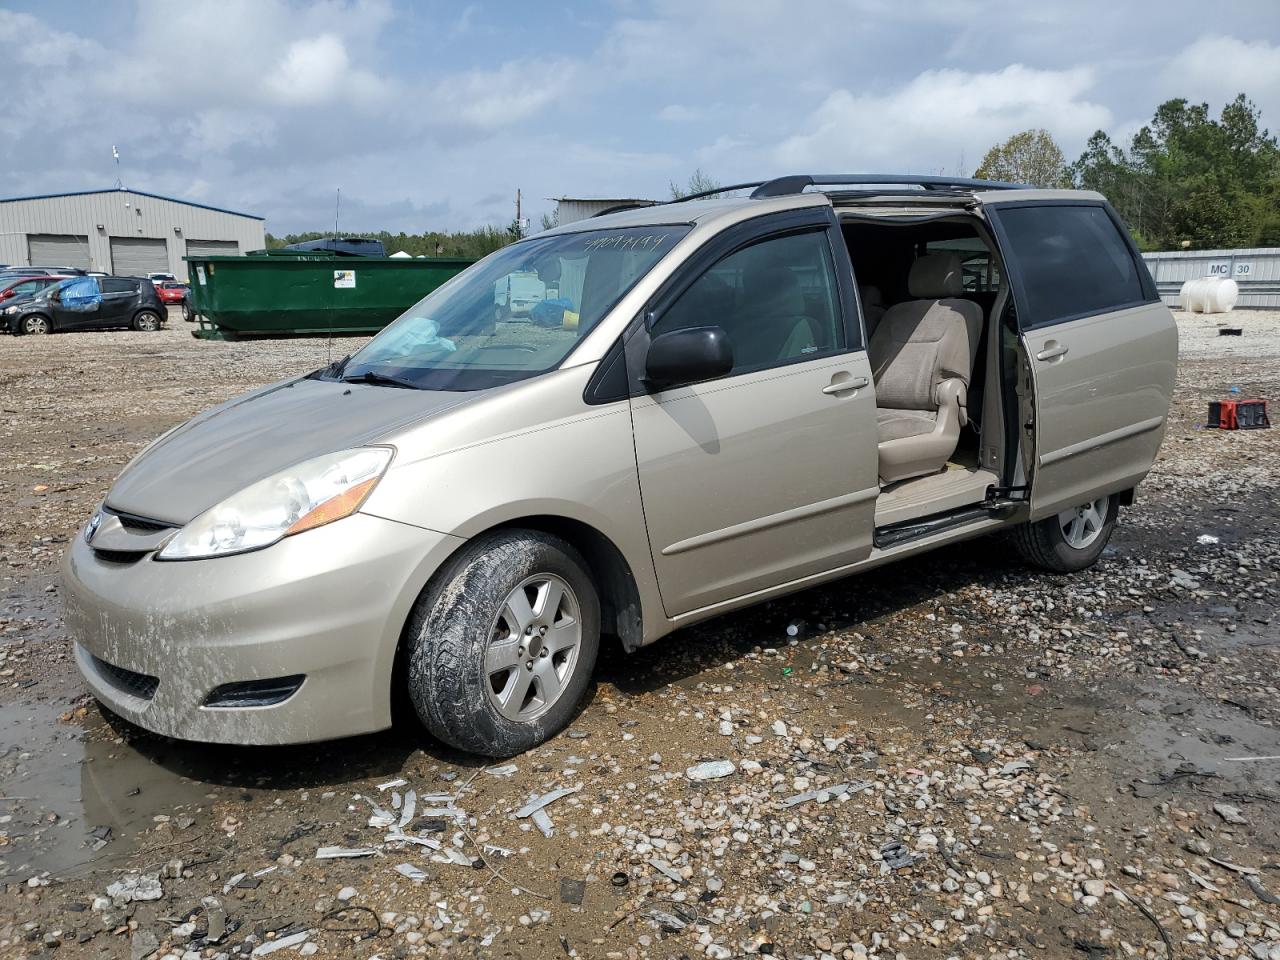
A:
{"points": [[1216, 68], [317, 70], [492, 99], [940, 115]]}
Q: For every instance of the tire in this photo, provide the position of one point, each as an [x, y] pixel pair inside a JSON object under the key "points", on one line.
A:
{"points": [[187, 313], [35, 324], [478, 681], [148, 321], [1071, 540]]}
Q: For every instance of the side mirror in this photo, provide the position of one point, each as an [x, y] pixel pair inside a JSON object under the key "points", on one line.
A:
{"points": [[687, 356]]}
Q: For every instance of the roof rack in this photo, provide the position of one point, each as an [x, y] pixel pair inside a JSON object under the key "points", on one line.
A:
{"points": [[798, 183], [785, 186]]}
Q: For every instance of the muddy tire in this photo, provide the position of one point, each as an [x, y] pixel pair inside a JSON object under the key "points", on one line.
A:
{"points": [[1071, 540], [148, 321], [35, 324], [502, 645]]}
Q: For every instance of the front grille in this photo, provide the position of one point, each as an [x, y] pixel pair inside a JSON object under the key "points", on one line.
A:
{"points": [[140, 685], [254, 693], [130, 522], [119, 556]]}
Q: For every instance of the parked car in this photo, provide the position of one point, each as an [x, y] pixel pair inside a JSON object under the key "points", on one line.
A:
{"points": [[158, 278], [45, 271], [463, 507], [15, 290], [88, 303], [171, 291], [188, 308]]}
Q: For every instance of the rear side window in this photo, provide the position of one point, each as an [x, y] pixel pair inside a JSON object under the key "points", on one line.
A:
{"points": [[1072, 260], [113, 285]]}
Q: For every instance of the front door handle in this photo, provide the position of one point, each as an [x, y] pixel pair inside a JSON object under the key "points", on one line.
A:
{"points": [[843, 383], [1052, 349]]}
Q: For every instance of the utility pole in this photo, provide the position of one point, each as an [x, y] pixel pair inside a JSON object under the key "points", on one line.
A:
{"points": [[519, 230]]}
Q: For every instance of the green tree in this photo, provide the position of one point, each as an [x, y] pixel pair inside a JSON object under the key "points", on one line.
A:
{"points": [[1189, 178], [472, 244], [699, 182], [1031, 157]]}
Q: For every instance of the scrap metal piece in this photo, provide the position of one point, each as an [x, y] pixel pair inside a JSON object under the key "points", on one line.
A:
{"points": [[409, 871], [338, 853], [407, 811], [664, 868], [823, 794], [542, 821], [284, 943], [897, 855], [537, 803]]}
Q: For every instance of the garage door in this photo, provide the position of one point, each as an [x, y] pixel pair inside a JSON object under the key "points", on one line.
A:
{"points": [[212, 248], [138, 256], [58, 250]]}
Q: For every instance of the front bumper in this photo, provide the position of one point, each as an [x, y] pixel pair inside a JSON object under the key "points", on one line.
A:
{"points": [[328, 604]]}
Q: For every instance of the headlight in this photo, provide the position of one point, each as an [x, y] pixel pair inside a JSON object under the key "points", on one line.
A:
{"points": [[308, 495], [8, 310]]}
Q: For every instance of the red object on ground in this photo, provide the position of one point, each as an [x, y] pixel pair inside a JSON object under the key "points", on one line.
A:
{"points": [[1238, 414]]}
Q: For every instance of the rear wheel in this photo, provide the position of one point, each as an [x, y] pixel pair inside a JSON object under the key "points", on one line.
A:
{"points": [[502, 647], [147, 321], [1070, 540], [35, 323]]}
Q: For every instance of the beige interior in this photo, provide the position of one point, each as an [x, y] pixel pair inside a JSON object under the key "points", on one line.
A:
{"points": [[922, 354], [959, 484]]}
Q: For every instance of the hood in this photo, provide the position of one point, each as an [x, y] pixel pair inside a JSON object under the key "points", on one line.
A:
{"points": [[225, 449]]}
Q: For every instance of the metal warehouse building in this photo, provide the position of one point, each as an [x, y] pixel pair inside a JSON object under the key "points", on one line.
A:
{"points": [[1257, 271], [124, 232]]}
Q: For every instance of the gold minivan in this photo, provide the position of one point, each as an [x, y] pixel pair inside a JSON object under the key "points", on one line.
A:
{"points": [[713, 403]]}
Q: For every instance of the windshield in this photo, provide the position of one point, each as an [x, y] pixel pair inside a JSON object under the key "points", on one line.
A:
{"points": [[516, 314]]}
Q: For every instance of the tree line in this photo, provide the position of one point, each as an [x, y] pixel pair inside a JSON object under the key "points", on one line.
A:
{"points": [[1185, 180], [472, 244]]}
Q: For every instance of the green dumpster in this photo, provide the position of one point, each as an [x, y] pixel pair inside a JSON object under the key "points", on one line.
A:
{"points": [[289, 293]]}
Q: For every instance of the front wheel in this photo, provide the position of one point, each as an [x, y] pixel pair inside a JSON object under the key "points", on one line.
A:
{"points": [[1070, 540], [147, 321], [35, 324], [502, 647]]}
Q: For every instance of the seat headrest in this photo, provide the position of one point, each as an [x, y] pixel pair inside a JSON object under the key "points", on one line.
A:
{"points": [[773, 290], [871, 296], [934, 276]]}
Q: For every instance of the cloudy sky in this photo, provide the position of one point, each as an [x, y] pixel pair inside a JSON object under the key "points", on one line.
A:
{"points": [[429, 115]]}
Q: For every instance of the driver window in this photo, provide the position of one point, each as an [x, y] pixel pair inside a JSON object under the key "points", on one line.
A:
{"points": [[776, 300]]}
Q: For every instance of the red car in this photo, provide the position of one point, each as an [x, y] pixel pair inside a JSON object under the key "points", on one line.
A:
{"points": [[16, 289], [171, 291]]}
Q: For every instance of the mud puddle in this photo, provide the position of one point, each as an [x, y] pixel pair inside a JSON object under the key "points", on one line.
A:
{"points": [[72, 796]]}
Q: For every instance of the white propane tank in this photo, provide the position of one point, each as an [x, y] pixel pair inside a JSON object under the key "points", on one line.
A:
{"points": [[1209, 295]]}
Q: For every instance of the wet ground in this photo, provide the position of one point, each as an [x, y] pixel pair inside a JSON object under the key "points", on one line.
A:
{"points": [[1015, 765]]}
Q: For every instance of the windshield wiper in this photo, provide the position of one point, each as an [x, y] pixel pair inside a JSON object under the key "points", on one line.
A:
{"points": [[332, 369], [381, 380]]}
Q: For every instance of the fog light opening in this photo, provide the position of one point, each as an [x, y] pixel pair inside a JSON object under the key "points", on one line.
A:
{"points": [[254, 693]]}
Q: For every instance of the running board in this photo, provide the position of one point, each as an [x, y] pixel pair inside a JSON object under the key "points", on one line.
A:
{"points": [[899, 533]]}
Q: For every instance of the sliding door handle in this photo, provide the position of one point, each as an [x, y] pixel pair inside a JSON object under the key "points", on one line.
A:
{"points": [[1052, 349]]}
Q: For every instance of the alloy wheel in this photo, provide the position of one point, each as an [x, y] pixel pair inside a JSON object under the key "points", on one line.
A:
{"points": [[533, 648], [1082, 525]]}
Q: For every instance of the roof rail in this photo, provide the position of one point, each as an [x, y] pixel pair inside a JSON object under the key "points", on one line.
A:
{"points": [[784, 186], [799, 182]]}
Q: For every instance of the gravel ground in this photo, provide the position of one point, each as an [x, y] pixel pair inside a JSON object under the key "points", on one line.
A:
{"points": [[956, 757]]}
